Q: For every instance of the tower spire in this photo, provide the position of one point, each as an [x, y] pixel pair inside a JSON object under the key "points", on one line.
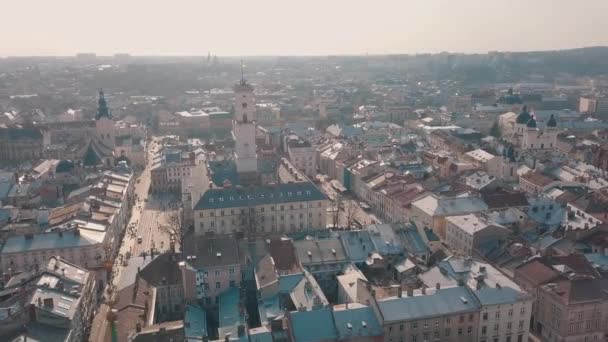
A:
{"points": [[102, 109], [242, 74]]}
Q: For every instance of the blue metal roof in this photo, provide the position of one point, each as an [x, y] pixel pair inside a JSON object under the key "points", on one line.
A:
{"points": [[288, 282], [357, 244], [413, 241], [195, 322], [496, 296], [258, 195], [441, 302], [5, 188], [229, 315], [362, 322], [315, 325]]}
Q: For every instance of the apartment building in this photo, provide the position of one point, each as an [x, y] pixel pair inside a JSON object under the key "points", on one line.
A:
{"points": [[302, 155], [170, 168], [504, 315], [273, 208], [55, 303], [212, 267], [20, 144]]}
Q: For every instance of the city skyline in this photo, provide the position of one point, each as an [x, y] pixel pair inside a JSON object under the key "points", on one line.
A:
{"points": [[236, 28]]}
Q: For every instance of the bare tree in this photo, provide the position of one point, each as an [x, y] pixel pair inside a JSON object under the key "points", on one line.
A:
{"points": [[350, 210], [250, 221], [174, 228], [336, 214]]}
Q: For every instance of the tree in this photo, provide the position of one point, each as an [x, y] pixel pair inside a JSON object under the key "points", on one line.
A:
{"points": [[495, 130], [350, 210], [174, 228], [250, 220], [336, 214]]}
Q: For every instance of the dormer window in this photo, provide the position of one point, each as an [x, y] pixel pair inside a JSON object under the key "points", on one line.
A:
{"points": [[244, 104]]}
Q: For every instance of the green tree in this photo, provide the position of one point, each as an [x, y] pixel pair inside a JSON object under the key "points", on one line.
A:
{"points": [[495, 130]]}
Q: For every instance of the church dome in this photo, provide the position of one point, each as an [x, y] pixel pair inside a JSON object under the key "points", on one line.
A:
{"points": [[531, 123], [524, 116], [552, 122]]}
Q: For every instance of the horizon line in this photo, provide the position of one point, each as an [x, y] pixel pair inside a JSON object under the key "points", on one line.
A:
{"points": [[127, 54]]}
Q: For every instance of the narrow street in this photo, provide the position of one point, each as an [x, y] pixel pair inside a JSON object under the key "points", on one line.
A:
{"points": [[151, 221]]}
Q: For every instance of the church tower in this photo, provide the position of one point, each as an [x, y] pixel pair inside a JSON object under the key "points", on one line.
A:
{"points": [[103, 123], [243, 131]]}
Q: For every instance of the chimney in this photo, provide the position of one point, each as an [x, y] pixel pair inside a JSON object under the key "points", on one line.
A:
{"points": [[410, 291], [438, 286]]}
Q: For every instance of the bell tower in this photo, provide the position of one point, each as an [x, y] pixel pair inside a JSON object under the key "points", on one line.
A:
{"points": [[243, 131], [104, 125]]}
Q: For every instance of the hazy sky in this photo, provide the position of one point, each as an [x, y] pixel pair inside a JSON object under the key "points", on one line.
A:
{"points": [[297, 27]]}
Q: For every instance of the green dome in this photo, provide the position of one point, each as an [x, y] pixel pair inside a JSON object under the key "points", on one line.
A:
{"points": [[531, 123], [524, 116], [552, 122]]}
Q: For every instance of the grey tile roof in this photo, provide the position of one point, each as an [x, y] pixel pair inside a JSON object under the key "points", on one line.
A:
{"points": [[259, 195], [496, 296], [211, 252], [52, 240]]}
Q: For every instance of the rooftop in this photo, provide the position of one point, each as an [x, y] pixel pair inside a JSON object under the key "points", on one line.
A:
{"points": [[259, 195], [434, 303], [52, 240], [202, 251], [315, 325], [433, 205], [470, 223], [356, 320]]}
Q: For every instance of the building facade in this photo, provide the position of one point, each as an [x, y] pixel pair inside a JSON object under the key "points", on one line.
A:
{"points": [[267, 209]]}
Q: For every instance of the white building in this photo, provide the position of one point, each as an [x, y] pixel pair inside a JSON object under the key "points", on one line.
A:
{"points": [[261, 209], [505, 314], [465, 233], [431, 210], [539, 139], [302, 155]]}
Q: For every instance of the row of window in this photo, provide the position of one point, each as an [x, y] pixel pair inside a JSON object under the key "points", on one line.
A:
{"points": [[243, 211], [218, 285], [484, 329], [522, 311]]}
